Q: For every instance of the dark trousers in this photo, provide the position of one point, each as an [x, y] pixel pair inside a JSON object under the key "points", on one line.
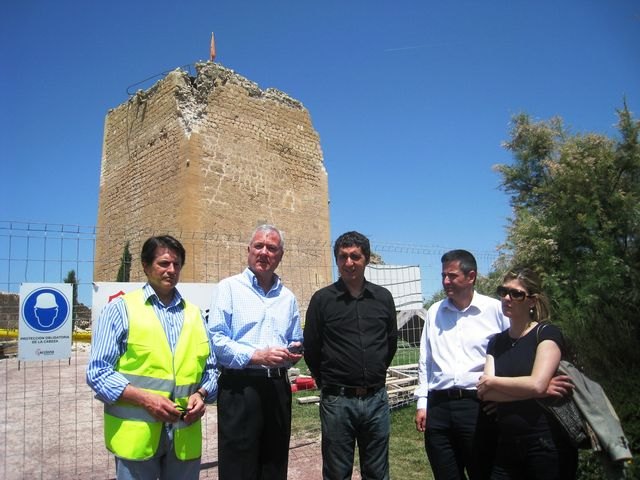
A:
{"points": [[254, 427], [460, 439], [538, 456]]}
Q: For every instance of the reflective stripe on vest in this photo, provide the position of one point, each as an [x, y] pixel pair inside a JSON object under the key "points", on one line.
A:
{"points": [[130, 431]]}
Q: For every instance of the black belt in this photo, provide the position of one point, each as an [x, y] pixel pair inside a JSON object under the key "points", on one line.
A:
{"points": [[452, 394], [256, 372], [350, 391]]}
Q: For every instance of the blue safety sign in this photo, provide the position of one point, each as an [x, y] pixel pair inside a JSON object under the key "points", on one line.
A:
{"points": [[45, 309]]}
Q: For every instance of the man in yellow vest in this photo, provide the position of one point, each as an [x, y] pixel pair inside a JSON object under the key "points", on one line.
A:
{"points": [[152, 366]]}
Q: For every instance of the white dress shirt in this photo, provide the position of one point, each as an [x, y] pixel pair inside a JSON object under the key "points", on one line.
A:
{"points": [[454, 342]]}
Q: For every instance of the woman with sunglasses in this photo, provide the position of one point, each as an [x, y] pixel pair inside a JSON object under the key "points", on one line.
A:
{"points": [[520, 363]]}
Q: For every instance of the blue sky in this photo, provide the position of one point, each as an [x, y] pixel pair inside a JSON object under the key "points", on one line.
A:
{"points": [[411, 99]]}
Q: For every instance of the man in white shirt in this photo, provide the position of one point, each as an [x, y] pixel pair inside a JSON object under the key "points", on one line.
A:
{"points": [[255, 329], [452, 356]]}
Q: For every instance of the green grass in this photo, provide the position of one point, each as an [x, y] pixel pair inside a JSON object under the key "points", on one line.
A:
{"points": [[405, 355], [305, 419], [407, 458]]}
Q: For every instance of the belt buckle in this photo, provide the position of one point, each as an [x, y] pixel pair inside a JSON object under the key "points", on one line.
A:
{"points": [[273, 373], [455, 393], [361, 391], [269, 375]]}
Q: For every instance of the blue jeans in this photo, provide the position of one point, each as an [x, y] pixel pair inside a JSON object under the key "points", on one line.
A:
{"points": [[163, 465], [346, 420]]}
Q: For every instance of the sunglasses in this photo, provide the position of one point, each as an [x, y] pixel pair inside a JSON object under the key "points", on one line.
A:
{"points": [[514, 294]]}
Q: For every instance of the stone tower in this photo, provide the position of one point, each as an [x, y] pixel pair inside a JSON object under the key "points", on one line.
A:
{"points": [[207, 159]]}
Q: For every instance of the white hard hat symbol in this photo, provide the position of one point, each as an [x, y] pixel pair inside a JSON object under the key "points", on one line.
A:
{"points": [[46, 300]]}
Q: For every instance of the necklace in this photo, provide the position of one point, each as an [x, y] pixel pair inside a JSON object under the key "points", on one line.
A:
{"points": [[514, 341]]}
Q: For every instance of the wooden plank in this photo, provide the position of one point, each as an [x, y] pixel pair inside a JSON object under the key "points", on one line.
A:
{"points": [[397, 381], [410, 388], [310, 399], [404, 367]]}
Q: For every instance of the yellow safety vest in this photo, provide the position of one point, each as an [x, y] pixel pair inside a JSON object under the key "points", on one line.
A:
{"points": [[130, 431]]}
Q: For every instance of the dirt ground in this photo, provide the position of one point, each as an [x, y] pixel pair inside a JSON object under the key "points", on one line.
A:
{"points": [[304, 461], [51, 427]]}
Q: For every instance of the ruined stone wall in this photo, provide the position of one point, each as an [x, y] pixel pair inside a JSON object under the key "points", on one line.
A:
{"points": [[9, 310], [206, 159]]}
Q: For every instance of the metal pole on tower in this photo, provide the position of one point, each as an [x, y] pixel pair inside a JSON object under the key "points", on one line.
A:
{"points": [[212, 48]]}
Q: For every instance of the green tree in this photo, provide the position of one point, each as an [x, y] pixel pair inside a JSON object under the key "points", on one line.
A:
{"points": [[376, 259], [576, 218], [124, 271], [435, 297], [487, 284], [71, 278]]}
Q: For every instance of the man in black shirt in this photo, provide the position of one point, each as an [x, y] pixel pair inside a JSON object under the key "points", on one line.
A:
{"points": [[350, 338]]}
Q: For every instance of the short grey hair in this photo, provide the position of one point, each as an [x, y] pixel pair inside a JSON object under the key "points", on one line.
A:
{"points": [[266, 227]]}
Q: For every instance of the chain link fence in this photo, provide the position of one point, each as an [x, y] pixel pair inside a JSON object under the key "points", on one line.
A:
{"points": [[51, 425]]}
